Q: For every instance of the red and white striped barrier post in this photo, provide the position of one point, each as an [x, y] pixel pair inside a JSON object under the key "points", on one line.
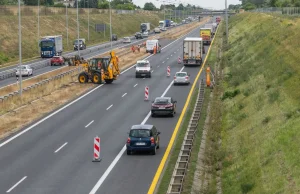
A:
{"points": [[168, 71], [97, 157], [146, 93]]}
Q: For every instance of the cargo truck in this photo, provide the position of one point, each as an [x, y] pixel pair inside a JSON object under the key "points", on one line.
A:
{"points": [[211, 26], [145, 27], [51, 46], [193, 51], [205, 34], [167, 23]]}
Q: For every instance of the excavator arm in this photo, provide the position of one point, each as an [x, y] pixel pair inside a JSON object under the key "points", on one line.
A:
{"points": [[115, 64]]}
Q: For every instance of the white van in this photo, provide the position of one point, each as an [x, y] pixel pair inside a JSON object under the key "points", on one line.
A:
{"points": [[150, 44], [143, 69]]}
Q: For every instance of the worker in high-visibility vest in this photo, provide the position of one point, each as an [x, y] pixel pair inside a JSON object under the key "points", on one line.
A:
{"points": [[154, 50]]}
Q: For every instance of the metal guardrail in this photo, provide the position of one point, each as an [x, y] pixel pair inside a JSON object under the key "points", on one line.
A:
{"points": [[182, 163]]}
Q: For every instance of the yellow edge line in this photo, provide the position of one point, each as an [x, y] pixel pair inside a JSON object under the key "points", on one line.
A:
{"points": [[166, 155]]}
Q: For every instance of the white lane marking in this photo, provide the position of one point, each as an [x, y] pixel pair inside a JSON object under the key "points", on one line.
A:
{"points": [[175, 52], [89, 124], [76, 100], [135, 85], [158, 66], [61, 147], [143, 77], [114, 162], [9, 190], [109, 107], [171, 55], [152, 71], [167, 58], [163, 62], [124, 95]]}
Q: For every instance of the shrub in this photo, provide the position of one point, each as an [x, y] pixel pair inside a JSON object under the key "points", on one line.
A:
{"points": [[230, 94]]}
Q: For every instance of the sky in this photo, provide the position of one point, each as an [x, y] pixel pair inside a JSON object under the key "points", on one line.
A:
{"points": [[212, 4]]}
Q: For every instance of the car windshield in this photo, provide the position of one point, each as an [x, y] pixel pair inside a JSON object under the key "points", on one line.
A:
{"points": [[23, 67], [161, 101], [76, 42], [139, 133], [180, 74], [142, 65]]}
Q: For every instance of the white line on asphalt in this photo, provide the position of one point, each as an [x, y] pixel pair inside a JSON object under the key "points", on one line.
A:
{"points": [[167, 58], [112, 165], [135, 85], [89, 124], [175, 52], [9, 190], [76, 100], [109, 107], [163, 62], [61, 147], [158, 66], [143, 77], [171, 55], [124, 95], [152, 71]]}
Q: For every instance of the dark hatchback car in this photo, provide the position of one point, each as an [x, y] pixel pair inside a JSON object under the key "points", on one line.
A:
{"points": [[138, 35], [114, 37], [143, 138], [163, 106]]}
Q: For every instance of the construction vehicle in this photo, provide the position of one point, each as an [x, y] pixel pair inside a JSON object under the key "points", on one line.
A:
{"points": [[75, 61], [101, 70]]}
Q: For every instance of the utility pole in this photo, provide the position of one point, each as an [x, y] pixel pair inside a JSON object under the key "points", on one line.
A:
{"points": [[39, 26], [88, 6], [78, 29], [110, 26], [226, 20], [67, 25], [20, 49]]}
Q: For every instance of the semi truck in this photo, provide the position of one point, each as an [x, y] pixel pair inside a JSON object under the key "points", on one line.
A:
{"points": [[193, 51], [205, 34], [168, 23], [51, 46], [145, 27]]}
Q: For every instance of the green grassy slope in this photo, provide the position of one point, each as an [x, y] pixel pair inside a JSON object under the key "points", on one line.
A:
{"points": [[261, 122], [123, 25]]}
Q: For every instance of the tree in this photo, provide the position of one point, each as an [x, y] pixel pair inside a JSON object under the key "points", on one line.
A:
{"points": [[180, 7], [103, 4], [149, 6]]}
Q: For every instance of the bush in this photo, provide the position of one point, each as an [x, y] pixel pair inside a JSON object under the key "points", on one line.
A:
{"points": [[59, 5], [230, 94]]}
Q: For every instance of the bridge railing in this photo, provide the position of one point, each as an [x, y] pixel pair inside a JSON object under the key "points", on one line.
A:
{"points": [[279, 10]]}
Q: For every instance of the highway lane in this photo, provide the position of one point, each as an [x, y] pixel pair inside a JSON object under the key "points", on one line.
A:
{"points": [[70, 170]]}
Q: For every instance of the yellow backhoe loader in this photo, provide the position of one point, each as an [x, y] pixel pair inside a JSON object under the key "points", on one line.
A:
{"points": [[101, 70]]}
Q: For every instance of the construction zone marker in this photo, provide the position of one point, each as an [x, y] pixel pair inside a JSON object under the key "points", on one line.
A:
{"points": [[97, 157], [146, 93], [208, 84], [168, 71]]}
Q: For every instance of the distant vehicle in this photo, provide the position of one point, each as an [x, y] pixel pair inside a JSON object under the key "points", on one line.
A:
{"points": [[163, 106], [145, 27], [181, 78], [143, 138], [162, 24], [150, 44], [57, 60], [205, 34], [143, 68], [193, 51], [156, 30], [26, 70], [138, 35], [211, 26], [114, 37], [81, 42], [167, 23], [126, 40], [163, 29], [51, 46], [145, 34], [218, 19]]}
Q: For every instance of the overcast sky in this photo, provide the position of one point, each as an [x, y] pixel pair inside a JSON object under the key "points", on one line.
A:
{"points": [[213, 4]]}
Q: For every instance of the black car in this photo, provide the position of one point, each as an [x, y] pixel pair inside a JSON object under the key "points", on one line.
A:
{"points": [[138, 35], [114, 37], [163, 106], [143, 138]]}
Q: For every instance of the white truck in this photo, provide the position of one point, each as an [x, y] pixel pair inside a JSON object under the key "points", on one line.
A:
{"points": [[212, 27], [145, 27], [150, 44], [162, 24], [193, 51]]}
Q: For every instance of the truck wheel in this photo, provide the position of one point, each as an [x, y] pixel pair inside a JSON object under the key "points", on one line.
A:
{"points": [[96, 77], [83, 77], [109, 81]]}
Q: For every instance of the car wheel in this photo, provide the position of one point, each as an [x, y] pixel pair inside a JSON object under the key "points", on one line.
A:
{"points": [[152, 115], [136, 76], [128, 152], [149, 76], [154, 151], [172, 114]]}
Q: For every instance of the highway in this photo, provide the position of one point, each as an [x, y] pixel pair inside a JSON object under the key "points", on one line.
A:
{"points": [[44, 70], [54, 155]]}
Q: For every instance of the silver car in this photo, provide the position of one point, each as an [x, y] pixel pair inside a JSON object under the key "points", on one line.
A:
{"points": [[181, 78]]}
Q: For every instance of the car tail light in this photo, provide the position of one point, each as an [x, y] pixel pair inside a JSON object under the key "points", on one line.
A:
{"points": [[128, 140], [174, 77], [186, 77], [152, 140], [169, 105]]}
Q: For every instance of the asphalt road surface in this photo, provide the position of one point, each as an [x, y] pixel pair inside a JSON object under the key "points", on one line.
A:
{"points": [[55, 154]]}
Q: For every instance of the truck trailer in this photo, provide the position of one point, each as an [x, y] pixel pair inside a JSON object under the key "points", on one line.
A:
{"points": [[193, 51], [206, 35], [51, 46]]}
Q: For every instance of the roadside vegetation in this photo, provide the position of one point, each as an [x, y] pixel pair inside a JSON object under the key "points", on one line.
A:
{"points": [[261, 108], [122, 25]]}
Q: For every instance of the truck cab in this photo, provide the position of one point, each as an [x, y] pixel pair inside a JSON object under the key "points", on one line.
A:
{"points": [[162, 24], [51, 46]]}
